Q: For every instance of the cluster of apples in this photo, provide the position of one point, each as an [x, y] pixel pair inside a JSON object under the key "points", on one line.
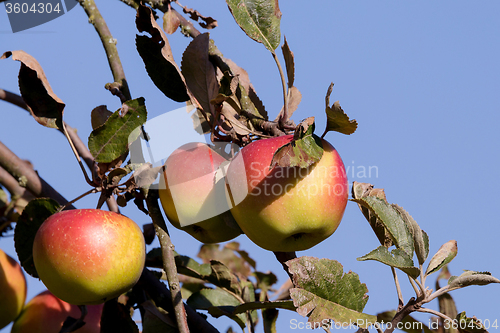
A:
{"points": [[44, 313], [281, 209]]}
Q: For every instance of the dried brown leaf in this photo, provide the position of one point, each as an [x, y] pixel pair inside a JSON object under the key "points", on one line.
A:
{"points": [[289, 63], [208, 22], [170, 22], [43, 103], [158, 58], [199, 72], [99, 115]]}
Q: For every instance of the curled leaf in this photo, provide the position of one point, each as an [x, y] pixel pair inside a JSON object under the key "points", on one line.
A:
{"points": [[157, 56], [443, 256], [289, 63], [469, 278], [43, 103], [362, 190], [199, 72], [337, 119]]}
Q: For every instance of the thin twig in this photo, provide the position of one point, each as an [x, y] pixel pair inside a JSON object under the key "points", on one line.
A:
{"points": [[398, 289], [414, 285], [437, 313], [75, 152], [169, 266]]}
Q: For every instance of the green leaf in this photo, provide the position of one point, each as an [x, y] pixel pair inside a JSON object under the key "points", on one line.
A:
{"points": [[112, 139], [392, 221], [409, 324], [337, 119], [472, 278], [270, 317], [259, 19], [469, 325], [304, 150], [199, 72], [420, 238], [323, 291], [222, 277], [43, 103], [362, 190], [443, 256], [211, 299], [319, 309], [190, 267], [157, 56], [34, 214], [396, 258]]}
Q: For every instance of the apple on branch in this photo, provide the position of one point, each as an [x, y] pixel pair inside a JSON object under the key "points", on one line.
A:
{"points": [[88, 256], [192, 200], [286, 209], [13, 289]]}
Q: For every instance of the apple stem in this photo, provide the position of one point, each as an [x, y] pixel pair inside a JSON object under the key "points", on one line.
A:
{"points": [[283, 257], [284, 116]]}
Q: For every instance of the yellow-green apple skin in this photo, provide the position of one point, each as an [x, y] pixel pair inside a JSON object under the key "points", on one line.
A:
{"points": [[46, 313], [12, 289], [191, 199], [88, 256], [286, 209]]}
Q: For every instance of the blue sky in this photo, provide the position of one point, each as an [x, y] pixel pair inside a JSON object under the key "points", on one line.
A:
{"points": [[421, 79]]}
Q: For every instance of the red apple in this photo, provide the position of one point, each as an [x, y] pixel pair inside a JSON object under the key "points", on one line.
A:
{"points": [[46, 313], [12, 289], [87, 256], [286, 209], [191, 199]]}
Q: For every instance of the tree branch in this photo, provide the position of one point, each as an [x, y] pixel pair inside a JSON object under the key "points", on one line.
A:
{"points": [[24, 173], [410, 307], [167, 249], [109, 44]]}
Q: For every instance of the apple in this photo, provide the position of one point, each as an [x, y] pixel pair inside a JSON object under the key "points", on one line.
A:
{"points": [[12, 289], [286, 209], [88, 256], [191, 199], [45, 313]]}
